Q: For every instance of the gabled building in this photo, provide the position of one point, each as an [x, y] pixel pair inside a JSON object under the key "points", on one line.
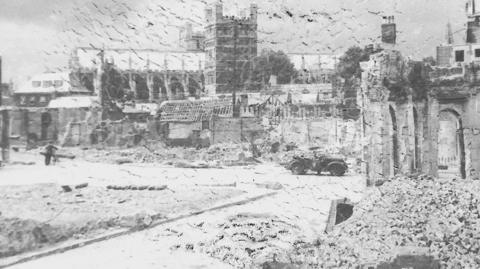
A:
{"points": [[41, 89]]}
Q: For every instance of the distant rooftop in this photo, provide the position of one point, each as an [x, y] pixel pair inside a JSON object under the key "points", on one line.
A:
{"points": [[50, 83]]}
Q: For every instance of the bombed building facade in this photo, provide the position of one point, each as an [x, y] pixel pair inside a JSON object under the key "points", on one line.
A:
{"points": [[147, 75], [421, 118]]}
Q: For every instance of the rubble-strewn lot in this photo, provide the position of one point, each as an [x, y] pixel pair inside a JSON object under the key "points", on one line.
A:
{"points": [[34, 216], [214, 156], [438, 215], [253, 231], [442, 216], [249, 240]]}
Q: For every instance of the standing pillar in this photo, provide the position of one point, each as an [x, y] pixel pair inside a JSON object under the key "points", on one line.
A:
{"points": [[151, 97], [97, 79], [166, 80], [5, 134], [184, 94], [161, 95], [187, 84], [133, 84], [431, 136]]}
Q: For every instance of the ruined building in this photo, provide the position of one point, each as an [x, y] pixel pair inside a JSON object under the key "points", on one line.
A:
{"points": [[5, 90], [421, 118], [41, 89], [148, 75], [4, 124], [215, 61], [473, 23], [230, 46]]}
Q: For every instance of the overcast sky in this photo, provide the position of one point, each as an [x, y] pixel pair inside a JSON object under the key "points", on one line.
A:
{"points": [[39, 35]]}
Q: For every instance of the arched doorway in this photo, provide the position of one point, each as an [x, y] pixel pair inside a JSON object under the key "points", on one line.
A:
{"points": [[417, 162], [193, 88], [394, 160], [159, 89], [46, 121], [176, 88], [141, 87], [451, 145]]}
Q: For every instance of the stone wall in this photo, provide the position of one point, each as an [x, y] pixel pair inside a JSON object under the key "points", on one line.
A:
{"points": [[235, 130], [34, 125], [123, 133], [330, 134], [471, 125], [216, 131], [77, 127], [399, 134], [402, 136]]}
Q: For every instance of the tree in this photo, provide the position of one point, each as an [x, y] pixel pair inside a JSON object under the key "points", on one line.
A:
{"points": [[349, 63], [430, 61], [276, 63], [349, 69]]}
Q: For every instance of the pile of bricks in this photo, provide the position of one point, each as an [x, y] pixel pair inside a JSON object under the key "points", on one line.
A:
{"points": [[442, 217]]}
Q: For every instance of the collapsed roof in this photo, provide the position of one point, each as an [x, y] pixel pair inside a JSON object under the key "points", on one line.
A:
{"points": [[194, 111]]}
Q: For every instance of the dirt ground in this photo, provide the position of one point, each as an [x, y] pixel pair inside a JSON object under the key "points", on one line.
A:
{"points": [[42, 206], [40, 215], [240, 236]]}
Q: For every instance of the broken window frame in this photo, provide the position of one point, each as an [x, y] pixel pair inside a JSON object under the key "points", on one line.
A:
{"points": [[460, 58], [36, 84], [47, 83], [58, 83]]}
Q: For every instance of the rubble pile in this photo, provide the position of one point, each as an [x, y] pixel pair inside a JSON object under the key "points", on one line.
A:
{"points": [[21, 235], [248, 240], [17, 235], [215, 155], [441, 216]]}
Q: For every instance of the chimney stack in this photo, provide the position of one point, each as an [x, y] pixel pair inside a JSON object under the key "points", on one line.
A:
{"points": [[389, 30]]}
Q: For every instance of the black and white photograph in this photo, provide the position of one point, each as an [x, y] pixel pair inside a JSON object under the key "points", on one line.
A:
{"points": [[262, 134]]}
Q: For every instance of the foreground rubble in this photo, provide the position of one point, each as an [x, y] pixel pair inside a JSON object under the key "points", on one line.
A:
{"points": [[248, 240], [440, 216]]}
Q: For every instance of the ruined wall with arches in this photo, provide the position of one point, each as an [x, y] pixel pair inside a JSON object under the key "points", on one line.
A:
{"points": [[149, 86], [437, 135], [464, 115], [395, 139]]}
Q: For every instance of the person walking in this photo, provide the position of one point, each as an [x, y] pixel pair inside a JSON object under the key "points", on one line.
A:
{"points": [[50, 151]]}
